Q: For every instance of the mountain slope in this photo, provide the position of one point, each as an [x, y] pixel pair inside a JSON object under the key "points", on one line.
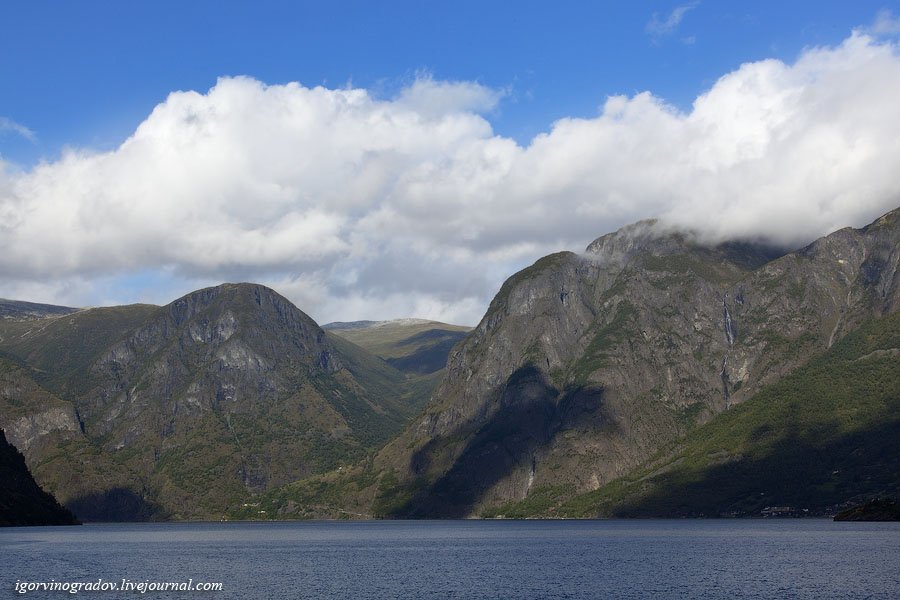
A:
{"points": [[60, 349], [220, 395], [22, 501], [48, 431], [15, 309], [414, 346], [826, 434], [585, 366]]}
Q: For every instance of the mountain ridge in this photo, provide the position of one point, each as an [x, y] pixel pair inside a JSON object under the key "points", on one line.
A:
{"points": [[599, 361], [232, 401], [414, 346]]}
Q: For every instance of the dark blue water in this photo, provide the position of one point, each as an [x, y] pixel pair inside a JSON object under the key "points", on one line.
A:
{"points": [[468, 559]]}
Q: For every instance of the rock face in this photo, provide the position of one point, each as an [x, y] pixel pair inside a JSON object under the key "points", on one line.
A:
{"points": [[30, 413], [195, 406], [825, 436], [48, 432], [585, 365], [22, 501]]}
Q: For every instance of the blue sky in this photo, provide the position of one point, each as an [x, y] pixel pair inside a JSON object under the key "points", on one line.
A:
{"points": [[379, 160], [87, 73]]}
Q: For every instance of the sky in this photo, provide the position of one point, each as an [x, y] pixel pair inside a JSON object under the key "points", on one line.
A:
{"points": [[401, 159]]}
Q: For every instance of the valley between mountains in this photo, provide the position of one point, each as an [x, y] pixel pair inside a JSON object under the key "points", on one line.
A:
{"points": [[650, 375]]}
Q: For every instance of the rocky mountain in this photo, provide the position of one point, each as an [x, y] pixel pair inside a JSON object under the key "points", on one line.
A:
{"points": [[49, 433], [415, 346], [586, 366], [193, 407], [22, 501], [825, 436], [652, 375]]}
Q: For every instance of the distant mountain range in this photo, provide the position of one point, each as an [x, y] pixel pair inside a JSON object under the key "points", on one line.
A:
{"points": [[15, 309], [410, 345], [651, 375]]}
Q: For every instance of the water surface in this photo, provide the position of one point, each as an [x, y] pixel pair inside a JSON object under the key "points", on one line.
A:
{"points": [[468, 559]]}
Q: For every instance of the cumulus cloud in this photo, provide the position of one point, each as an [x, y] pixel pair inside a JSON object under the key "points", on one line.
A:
{"points": [[658, 27], [360, 207]]}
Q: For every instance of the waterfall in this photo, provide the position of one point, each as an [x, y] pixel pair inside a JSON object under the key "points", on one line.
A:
{"points": [[729, 326]]}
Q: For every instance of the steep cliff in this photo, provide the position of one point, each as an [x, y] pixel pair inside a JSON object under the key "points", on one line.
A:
{"points": [[586, 365]]}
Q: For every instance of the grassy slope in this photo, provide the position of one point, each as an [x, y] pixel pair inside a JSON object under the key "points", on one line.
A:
{"points": [[824, 435], [417, 348], [386, 340], [19, 310], [60, 350], [400, 395], [352, 486]]}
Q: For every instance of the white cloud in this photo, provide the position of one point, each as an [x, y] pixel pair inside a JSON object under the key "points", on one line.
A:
{"points": [[432, 98], [8, 125], [661, 27], [886, 23], [357, 207]]}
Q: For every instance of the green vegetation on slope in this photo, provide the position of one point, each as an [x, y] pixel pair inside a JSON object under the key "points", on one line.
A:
{"points": [[61, 350], [197, 407], [22, 501], [410, 345], [825, 434], [18, 310], [60, 456]]}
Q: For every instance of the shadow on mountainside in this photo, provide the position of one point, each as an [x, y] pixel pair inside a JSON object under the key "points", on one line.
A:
{"points": [[815, 470], [436, 345], [118, 504], [532, 413]]}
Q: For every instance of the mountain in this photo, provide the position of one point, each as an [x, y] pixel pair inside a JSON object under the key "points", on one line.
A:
{"points": [[197, 406], [22, 501], [587, 366], [823, 437], [879, 509], [14, 309], [652, 375], [414, 346], [339, 325], [49, 433]]}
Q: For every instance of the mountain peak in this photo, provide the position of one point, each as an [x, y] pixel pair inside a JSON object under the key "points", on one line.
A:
{"points": [[889, 219], [656, 238], [229, 290], [646, 235], [249, 298]]}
